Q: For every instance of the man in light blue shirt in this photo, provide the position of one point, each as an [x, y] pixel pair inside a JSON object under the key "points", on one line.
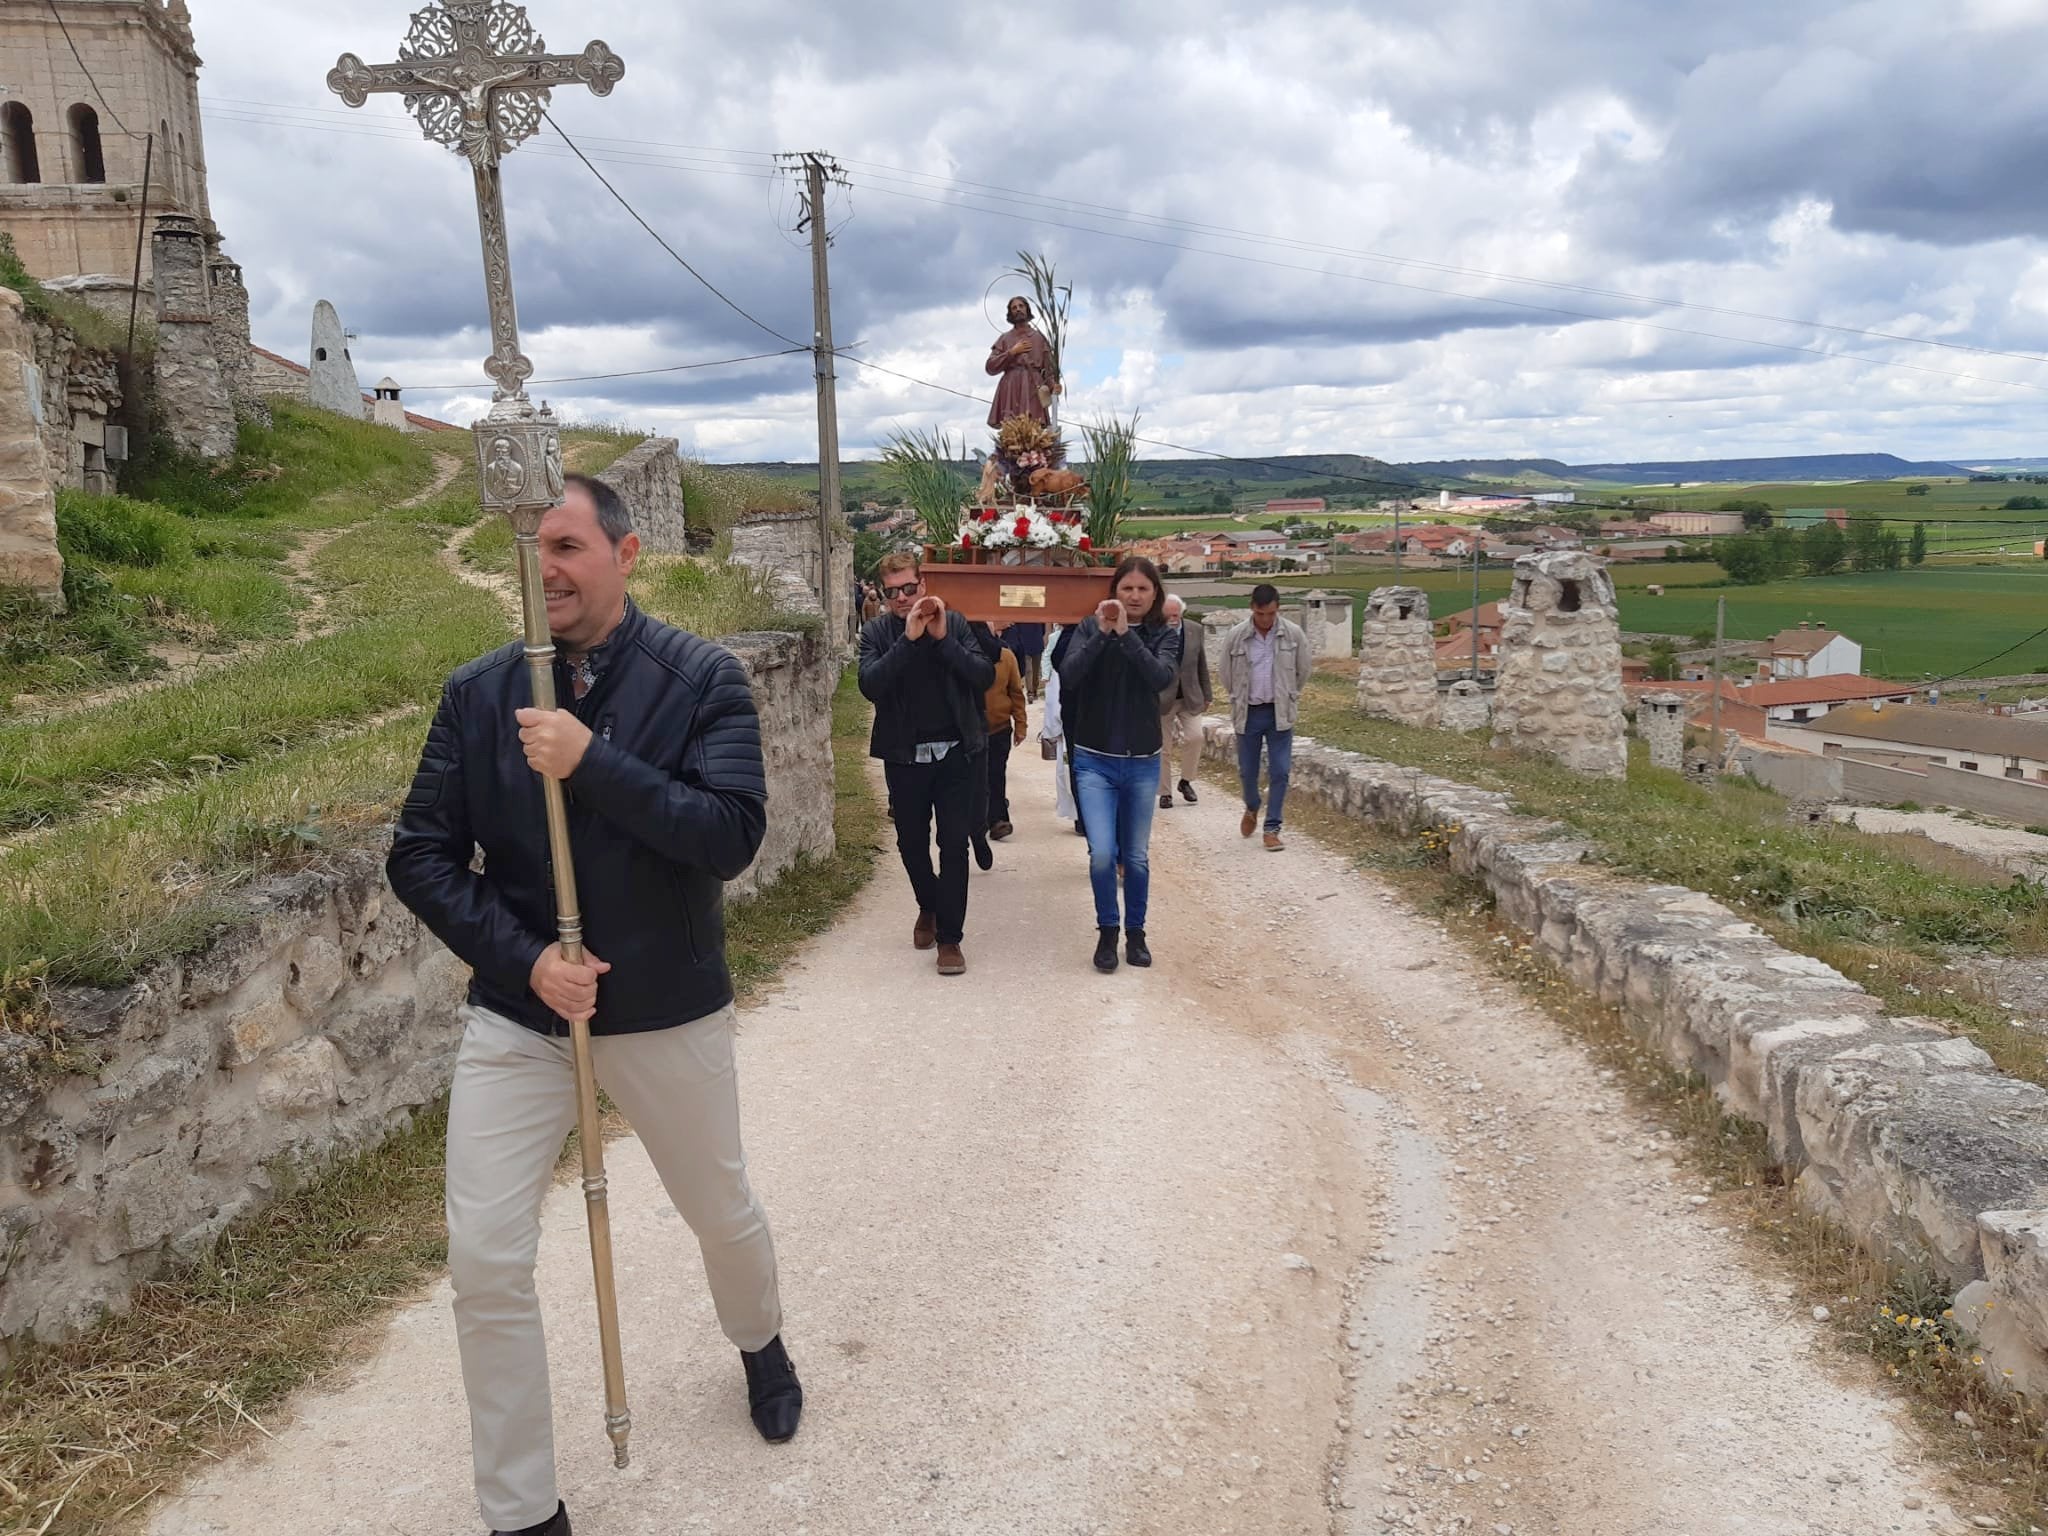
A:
{"points": [[1266, 664]]}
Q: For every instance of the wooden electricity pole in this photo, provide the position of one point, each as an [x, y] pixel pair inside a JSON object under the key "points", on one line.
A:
{"points": [[819, 169], [1720, 629]]}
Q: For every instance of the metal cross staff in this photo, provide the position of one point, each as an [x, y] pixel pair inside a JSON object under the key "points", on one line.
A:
{"points": [[476, 74]]}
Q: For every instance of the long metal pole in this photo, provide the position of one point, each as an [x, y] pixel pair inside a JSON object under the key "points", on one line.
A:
{"points": [[509, 367], [141, 233], [828, 387]]}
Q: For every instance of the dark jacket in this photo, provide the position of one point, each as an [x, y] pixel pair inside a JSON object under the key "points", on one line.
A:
{"points": [[887, 658], [1114, 682], [1190, 686], [669, 802]]}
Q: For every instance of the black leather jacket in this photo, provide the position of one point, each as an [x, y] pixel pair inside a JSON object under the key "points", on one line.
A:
{"points": [[967, 673], [1114, 683], [669, 802]]}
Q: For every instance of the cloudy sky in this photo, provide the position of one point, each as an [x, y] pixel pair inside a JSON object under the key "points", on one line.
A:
{"points": [[1582, 229]]}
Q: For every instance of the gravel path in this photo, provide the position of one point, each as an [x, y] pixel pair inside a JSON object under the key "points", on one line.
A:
{"points": [[1314, 1228]]}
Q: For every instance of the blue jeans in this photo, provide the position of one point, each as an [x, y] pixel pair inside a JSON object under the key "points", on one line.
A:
{"points": [[1117, 796], [1279, 745]]}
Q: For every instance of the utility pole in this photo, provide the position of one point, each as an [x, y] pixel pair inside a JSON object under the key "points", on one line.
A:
{"points": [[818, 170], [1720, 629], [1476, 542]]}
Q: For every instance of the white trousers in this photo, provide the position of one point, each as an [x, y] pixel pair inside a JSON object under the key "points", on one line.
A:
{"points": [[512, 1104]]}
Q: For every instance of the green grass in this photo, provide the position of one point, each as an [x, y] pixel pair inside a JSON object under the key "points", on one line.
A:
{"points": [[1909, 623], [714, 597], [106, 1422], [1889, 912], [406, 624], [1957, 501]]}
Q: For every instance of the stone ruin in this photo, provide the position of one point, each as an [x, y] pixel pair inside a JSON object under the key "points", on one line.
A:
{"points": [[1559, 690], [28, 503], [192, 390], [1397, 657], [1660, 721], [1465, 706], [1326, 621]]}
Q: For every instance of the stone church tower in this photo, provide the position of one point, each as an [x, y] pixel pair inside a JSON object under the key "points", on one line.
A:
{"points": [[71, 190]]}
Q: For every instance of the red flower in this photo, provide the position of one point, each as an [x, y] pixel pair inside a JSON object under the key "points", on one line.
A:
{"points": [[967, 541], [1084, 542], [1023, 527]]}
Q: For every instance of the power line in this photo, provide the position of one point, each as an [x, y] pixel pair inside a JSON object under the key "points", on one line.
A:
{"points": [[102, 95], [1996, 656], [631, 373], [678, 255]]}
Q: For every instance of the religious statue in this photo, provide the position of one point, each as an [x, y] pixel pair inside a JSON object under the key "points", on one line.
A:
{"points": [[1023, 358]]}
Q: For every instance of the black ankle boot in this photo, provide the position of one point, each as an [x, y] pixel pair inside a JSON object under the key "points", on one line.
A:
{"points": [[1105, 950], [556, 1525], [775, 1397], [1134, 947]]}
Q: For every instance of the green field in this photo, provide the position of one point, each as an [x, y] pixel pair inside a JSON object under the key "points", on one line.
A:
{"points": [[1955, 501], [1909, 623]]}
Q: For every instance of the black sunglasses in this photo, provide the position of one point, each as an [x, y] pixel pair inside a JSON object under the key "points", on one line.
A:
{"points": [[904, 590]]}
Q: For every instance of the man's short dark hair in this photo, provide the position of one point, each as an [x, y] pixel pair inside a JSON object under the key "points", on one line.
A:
{"points": [[612, 514], [1265, 594]]}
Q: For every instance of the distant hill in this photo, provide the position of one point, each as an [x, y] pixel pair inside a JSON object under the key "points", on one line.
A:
{"points": [[1797, 468]]}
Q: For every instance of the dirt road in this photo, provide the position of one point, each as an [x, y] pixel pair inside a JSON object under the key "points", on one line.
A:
{"points": [[1313, 1228]]}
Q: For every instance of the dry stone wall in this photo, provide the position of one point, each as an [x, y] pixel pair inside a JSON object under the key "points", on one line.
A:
{"points": [[315, 1026], [1397, 657], [28, 503], [650, 478], [1559, 689], [1907, 1138], [1465, 706]]}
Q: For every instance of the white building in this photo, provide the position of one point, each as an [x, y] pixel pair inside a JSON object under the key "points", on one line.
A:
{"points": [[1997, 746], [1812, 650]]}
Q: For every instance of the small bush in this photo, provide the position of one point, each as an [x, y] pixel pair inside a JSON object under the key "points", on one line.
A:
{"points": [[715, 598], [115, 530]]}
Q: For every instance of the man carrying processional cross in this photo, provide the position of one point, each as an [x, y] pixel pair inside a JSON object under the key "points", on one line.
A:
{"points": [[652, 771]]}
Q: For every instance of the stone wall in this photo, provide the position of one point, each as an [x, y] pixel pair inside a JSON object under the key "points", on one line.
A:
{"points": [[1465, 706], [1216, 628], [1559, 689], [1397, 657], [1905, 1137], [192, 396], [81, 393], [28, 504], [229, 301], [1660, 721], [794, 677], [650, 478], [786, 544], [315, 1026]]}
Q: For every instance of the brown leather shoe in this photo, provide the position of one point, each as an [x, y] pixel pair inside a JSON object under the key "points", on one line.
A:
{"points": [[1248, 824], [1273, 843], [926, 933], [951, 961]]}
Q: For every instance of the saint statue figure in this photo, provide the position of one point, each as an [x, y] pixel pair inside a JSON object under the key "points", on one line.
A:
{"points": [[1023, 357]]}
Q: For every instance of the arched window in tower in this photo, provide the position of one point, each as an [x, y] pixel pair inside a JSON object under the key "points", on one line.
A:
{"points": [[167, 173], [18, 136], [88, 158], [186, 189]]}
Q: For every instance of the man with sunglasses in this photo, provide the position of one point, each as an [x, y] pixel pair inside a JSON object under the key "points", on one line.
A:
{"points": [[927, 678]]}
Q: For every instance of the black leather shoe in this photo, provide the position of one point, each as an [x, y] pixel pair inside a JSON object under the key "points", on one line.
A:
{"points": [[984, 855], [775, 1397], [1105, 950], [1187, 791], [1166, 802], [558, 1526], [1134, 947]]}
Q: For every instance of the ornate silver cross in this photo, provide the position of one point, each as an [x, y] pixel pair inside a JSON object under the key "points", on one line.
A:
{"points": [[478, 76]]}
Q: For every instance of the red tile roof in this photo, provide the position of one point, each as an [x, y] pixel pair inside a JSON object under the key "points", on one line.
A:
{"points": [[424, 423]]}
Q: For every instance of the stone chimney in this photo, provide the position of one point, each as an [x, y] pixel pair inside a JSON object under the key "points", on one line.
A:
{"points": [[1660, 721], [229, 302], [386, 410], [1397, 657], [1559, 691], [192, 395]]}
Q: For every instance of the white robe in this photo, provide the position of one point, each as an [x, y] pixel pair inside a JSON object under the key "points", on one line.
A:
{"points": [[1051, 728]]}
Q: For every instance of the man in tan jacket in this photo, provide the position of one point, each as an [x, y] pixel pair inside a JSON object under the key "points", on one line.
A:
{"points": [[1266, 664], [1181, 707]]}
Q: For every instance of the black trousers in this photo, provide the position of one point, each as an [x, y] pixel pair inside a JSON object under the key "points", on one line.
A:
{"points": [[919, 794], [994, 803]]}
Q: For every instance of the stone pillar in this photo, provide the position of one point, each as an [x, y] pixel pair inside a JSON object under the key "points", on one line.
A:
{"points": [[229, 304], [1336, 636], [28, 504], [1216, 628], [192, 396], [331, 381], [1660, 721], [1397, 657], [1559, 690], [1465, 707]]}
